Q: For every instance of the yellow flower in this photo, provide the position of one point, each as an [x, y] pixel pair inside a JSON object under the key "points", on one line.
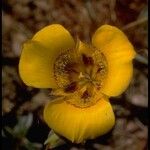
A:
{"points": [[82, 76]]}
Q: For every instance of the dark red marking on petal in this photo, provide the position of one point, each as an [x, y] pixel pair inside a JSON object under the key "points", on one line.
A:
{"points": [[85, 95], [72, 87], [87, 60]]}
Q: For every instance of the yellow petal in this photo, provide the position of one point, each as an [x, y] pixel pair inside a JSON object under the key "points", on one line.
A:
{"points": [[36, 64], [118, 79], [119, 53], [55, 37], [79, 124]]}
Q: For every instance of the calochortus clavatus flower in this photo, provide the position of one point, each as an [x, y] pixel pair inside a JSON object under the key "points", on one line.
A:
{"points": [[82, 76]]}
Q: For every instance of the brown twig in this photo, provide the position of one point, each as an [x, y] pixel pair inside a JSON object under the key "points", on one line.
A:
{"points": [[135, 23], [141, 59]]}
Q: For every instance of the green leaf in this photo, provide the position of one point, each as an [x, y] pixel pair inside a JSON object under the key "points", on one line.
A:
{"points": [[53, 140], [21, 128]]}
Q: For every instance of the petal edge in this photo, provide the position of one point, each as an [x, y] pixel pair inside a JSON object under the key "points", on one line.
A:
{"points": [[79, 124]]}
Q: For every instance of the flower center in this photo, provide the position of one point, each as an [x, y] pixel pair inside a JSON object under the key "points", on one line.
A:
{"points": [[80, 77]]}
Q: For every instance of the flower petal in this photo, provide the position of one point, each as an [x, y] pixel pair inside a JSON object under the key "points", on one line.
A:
{"points": [[55, 37], [78, 124], [119, 53], [38, 56], [118, 79], [34, 66]]}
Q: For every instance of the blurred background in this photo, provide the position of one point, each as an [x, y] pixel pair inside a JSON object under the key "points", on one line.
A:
{"points": [[23, 127]]}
